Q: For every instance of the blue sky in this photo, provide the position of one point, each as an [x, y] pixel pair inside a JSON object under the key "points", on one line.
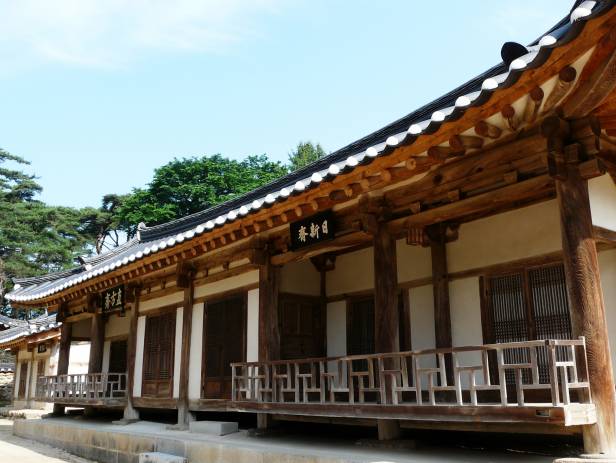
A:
{"points": [[96, 94]]}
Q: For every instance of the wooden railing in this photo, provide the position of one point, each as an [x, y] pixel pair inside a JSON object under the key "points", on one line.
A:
{"points": [[83, 389], [552, 372]]}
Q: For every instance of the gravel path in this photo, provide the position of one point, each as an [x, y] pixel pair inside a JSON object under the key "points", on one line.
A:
{"points": [[16, 449]]}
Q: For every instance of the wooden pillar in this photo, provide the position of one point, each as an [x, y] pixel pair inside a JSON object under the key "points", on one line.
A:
{"points": [[586, 299], [440, 285], [63, 358], [269, 333], [130, 413], [97, 341], [185, 280], [387, 319]]}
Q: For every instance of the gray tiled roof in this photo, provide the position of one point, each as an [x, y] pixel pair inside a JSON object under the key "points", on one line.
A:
{"points": [[425, 120], [24, 328]]}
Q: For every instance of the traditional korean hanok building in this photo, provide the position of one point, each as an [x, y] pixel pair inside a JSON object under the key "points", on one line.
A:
{"points": [[455, 269], [34, 344]]}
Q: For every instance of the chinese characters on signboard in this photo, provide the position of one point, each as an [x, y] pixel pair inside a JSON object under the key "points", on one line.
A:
{"points": [[311, 230], [113, 299]]}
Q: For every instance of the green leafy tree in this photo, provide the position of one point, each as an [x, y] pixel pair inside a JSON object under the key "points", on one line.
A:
{"points": [[305, 153], [189, 185], [102, 223], [34, 238]]}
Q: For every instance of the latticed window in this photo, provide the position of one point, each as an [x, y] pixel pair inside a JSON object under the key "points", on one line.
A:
{"points": [[524, 305]]}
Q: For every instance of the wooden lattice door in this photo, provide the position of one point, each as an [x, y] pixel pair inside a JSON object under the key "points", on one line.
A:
{"points": [[158, 355], [301, 327], [23, 379], [224, 343]]}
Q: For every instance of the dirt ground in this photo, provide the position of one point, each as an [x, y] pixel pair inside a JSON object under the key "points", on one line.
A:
{"points": [[16, 449]]}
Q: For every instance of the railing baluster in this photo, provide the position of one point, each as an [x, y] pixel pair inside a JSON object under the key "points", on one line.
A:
{"points": [[502, 376], [553, 371]]}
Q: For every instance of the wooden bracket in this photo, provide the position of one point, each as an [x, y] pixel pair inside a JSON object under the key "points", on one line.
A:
{"points": [[93, 302], [557, 132], [324, 262], [62, 312], [422, 236], [132, 290], [185, 271], [372, 211]]}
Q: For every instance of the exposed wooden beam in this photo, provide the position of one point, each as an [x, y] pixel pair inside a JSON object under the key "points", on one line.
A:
{"points": [[487, 201], [604, 235], [597, 80], [564, 82]]}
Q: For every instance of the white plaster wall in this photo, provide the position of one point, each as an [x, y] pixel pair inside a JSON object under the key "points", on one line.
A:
{"points": [[421, 301], [336, 329], [602, 192], [33, 372], [117, 326], [157, 302], [53, 360], [414, 262], [607, 265], [106, 353], [506, 237], [177, 354], [139, 356], [196, 351], [465, 307], [227, 284], [336, 335], [252, 332], [300, 278], [79, 358], [354, 272]]}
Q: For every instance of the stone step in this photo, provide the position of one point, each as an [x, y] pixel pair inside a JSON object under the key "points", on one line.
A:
{"points": [[215, 428], [158, 457]]}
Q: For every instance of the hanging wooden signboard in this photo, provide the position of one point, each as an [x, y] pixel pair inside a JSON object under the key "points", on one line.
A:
{"points": [[312, 230], [112, 299]]}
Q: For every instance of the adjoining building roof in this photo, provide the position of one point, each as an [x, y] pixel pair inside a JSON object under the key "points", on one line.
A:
{"points": [[24, 328], [425, 120], [8, 322]]}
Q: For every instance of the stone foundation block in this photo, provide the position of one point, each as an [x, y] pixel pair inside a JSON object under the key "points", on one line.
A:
{"points": [[216, 428], [157, 457]]}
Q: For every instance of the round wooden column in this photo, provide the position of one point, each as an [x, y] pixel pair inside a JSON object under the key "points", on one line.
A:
{"points": [[586, 303], [63, 358], [387, 320]]}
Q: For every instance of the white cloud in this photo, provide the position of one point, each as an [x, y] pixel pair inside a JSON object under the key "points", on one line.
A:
{"points": [[113, 33]]}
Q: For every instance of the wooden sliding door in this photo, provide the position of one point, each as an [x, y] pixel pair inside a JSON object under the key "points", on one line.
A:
{"points": [[158, 355], [224, 343], [301, 327]]}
